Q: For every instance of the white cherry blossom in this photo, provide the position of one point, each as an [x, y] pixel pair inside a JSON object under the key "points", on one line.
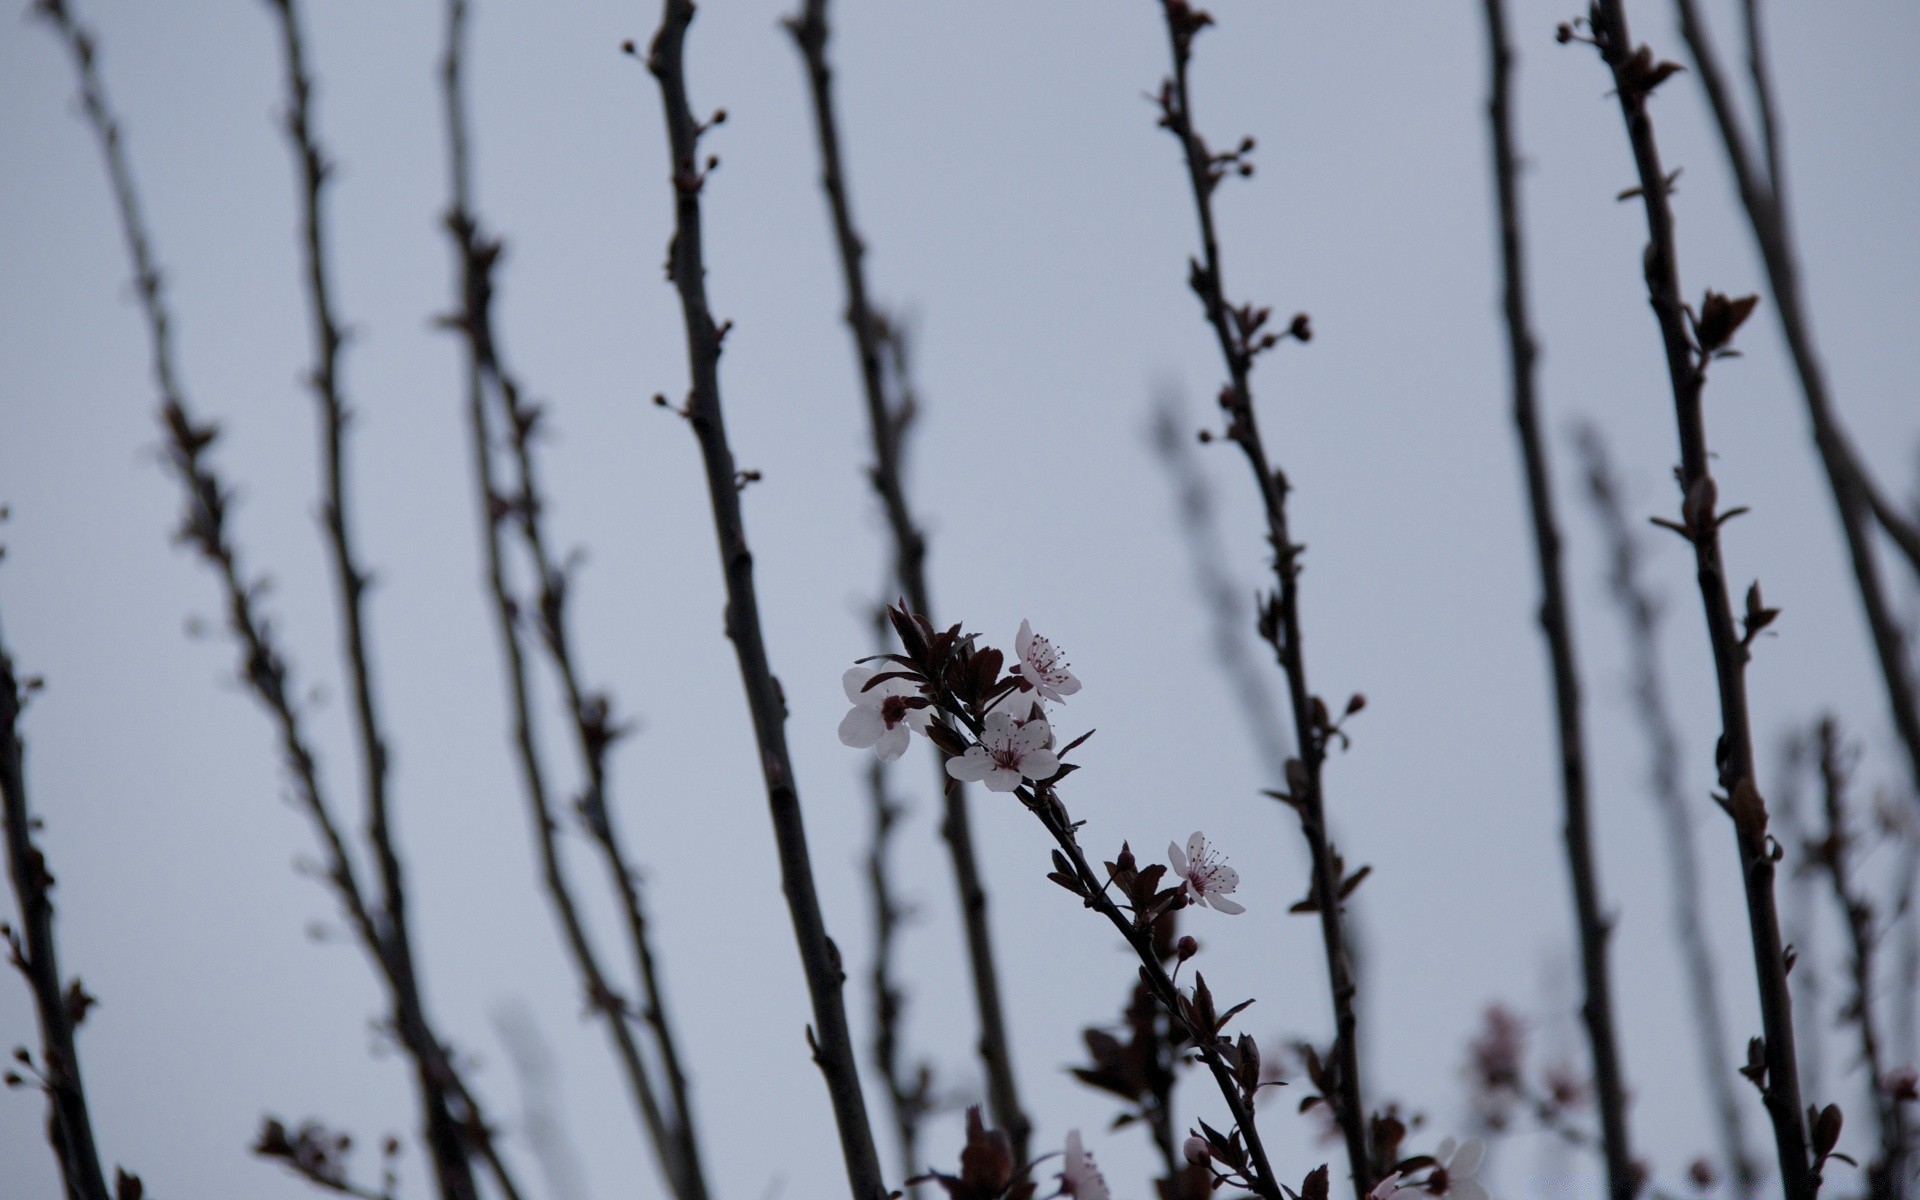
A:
{"points": [[880, 719], [1079, 1178], [1460, 1167], [1042, 666], [1208, 877], [1007, 752]]}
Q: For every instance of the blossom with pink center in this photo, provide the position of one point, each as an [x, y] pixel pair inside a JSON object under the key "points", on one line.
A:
{"points": [[1007, 752], [1079, 1178], [881, 717], [1208, 877], [1042, 666]]}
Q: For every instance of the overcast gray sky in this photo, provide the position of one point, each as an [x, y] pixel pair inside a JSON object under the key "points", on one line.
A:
{"points": [[1021, 205]]}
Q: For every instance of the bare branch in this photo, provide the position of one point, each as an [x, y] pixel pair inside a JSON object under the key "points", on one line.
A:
{"points": [[1556, 623], [888, 420], [832, 1044], [1690, 345]]}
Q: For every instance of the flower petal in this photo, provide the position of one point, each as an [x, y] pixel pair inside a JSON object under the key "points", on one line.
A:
{"points": [[1023, 641], [855, 679], [1032, 737], [892, 743], [1179, 859], [1467, 1161], [861, 727], [970, 767], [1039, 765], [1196, 846], [1225, 905], [1002, 779]]}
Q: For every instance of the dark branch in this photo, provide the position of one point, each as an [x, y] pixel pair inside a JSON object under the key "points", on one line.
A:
{"points": [[667, 1125], [33, 952], [1858, 500], [1635, 74], [887, 422], [1640, 612], [686, 268], [1556, 623], [1241, 339]]}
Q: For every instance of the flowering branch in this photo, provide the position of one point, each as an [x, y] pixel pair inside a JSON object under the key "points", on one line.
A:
{"points": [[60, 1006], [667, 1124], [686, 268], [1888, 1175], [942, 671], [1692, 340], [1556, 624], [1858, 500], [1242, 336], [887, 421], [453, 1118], [1641, 613]]}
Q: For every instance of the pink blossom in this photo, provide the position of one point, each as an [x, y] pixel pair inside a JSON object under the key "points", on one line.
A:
{"points": [[1007, 752], [1079, 1178], [1042, 666], [881, 717], [1208, 877], [1197, 1151]]}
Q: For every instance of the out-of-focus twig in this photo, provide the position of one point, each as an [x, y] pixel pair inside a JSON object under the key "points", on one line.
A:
{"points": [[1858, 499], [452, 1117], [58, 1005], [1640, 612], [1556, 624], [1691, 340], [518, 505], [888, 419], [832, 1044], [1242, 338], [1887, 1175]]}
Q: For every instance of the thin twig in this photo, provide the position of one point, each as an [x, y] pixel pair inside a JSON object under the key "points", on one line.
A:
{"points": [[1635, 74], [686, 268], [887, 421], [351, 581], [1858, 500], [33, 952], [907, 1091], [1238, 331], [1887, 1177], [1641, 614], [453, 1119], [1556, 624], [477, 256], [1220, 594]]}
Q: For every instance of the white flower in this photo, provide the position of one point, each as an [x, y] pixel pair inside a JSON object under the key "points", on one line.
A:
{"points": [[1209, 879], [1042, 666], [1455, 1174], [1079, 1178], [1007, 753], [880, 717]]}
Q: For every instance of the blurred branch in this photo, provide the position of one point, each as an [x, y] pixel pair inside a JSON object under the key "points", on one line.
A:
{"points": [[1241, 337], [908, 1092], [1556, 623], [888, 419], [453, 1119], [1640, 612], [1691, 341], [686, 268], [1859, 501], [32, 951], [1220, 593], [1887, 1176], [668, 1126]]}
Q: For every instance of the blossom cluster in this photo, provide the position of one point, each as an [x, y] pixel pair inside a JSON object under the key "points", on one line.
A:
{"points": [[1011, 748]]}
